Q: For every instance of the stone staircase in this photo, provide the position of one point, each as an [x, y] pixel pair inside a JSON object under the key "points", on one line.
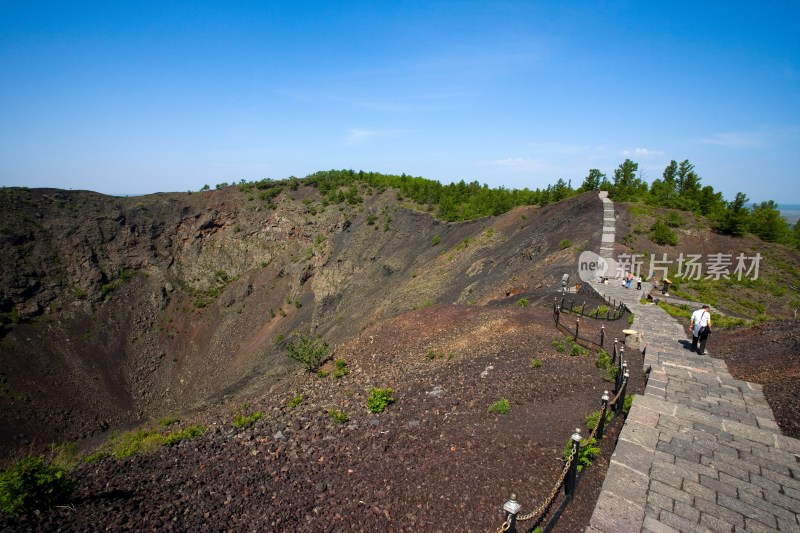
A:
{"points": [[699, 451]]}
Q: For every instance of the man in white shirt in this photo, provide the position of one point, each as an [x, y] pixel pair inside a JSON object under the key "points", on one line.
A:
{"points": [[700, 325]]}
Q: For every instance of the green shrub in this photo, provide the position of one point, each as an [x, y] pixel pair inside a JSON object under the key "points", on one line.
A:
{"points": [[501, 406], [559, 345], [311, 352], [341, 369], [241, 420], [601, 311], [167, 421], [603, 359], [587, 452], [379, 399], [661, 234], [297, 400], [536, 363], [184, 434], [593, 418], [577, 350], [564, 244], [626, 406], [523, 302], [135, 442], [338, 416], [674, 219], [31, 483], [435, 240]]}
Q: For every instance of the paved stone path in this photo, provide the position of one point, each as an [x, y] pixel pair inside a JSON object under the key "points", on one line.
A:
{"points": [[700, 451]]}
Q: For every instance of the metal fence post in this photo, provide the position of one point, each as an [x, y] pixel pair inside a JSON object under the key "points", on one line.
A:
{"points": [[621, 401], [577, 326], [614, 355], [511, 509], [602, 335], [572, 473], [601, 422]]}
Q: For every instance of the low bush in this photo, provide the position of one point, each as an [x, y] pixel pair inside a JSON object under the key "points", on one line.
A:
{"points": [[587, 452], [310, 352], [501, 406], [592, 419], [241, 420], [33, 483], [297, 400], [577, 350], [338, 416], [379, 399], [341, 369], [184, 434], [661, 234]]}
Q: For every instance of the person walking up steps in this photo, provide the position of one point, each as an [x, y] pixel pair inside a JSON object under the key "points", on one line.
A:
{"points": [[700, 324]]}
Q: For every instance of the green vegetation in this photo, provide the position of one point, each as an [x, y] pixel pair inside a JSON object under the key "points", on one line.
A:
{"points": [[184, 434], [683, 311], [379, 399], [626, 405], [559, 345], [501, 406], [679, 188], [673, 219], [338, 416], [297, 400], [586, 453], [203, 298], [341, 369], [593, 418], [144, 440], [577, 350], [536, 363], [661, 234], [604, 361], [523, 302], [167, 421], [435, 240], [241, 420], [310, 352], [32, 483], [427, 303], [439, 354], [600, 311], [564, 244]]}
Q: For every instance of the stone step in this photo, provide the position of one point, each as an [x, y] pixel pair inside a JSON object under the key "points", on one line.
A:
{"points": [[700, 450]]}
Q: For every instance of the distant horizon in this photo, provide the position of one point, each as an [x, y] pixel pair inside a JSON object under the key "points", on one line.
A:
{"points": [[793, 206]]}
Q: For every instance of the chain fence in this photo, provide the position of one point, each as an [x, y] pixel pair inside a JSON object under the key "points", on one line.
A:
{"points": [[569, 478]]}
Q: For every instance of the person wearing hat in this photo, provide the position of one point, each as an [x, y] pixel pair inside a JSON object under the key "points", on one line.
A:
{"points": [[700, 325]]}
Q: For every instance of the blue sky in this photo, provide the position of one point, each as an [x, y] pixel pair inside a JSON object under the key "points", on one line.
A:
{"points": [[137, 97]]}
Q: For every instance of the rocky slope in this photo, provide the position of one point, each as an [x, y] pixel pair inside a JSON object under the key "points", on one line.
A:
{"points": [[116, 310]]}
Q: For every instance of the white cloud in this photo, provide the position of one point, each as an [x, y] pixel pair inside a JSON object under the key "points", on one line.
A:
{"points": [[641, 152]]}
